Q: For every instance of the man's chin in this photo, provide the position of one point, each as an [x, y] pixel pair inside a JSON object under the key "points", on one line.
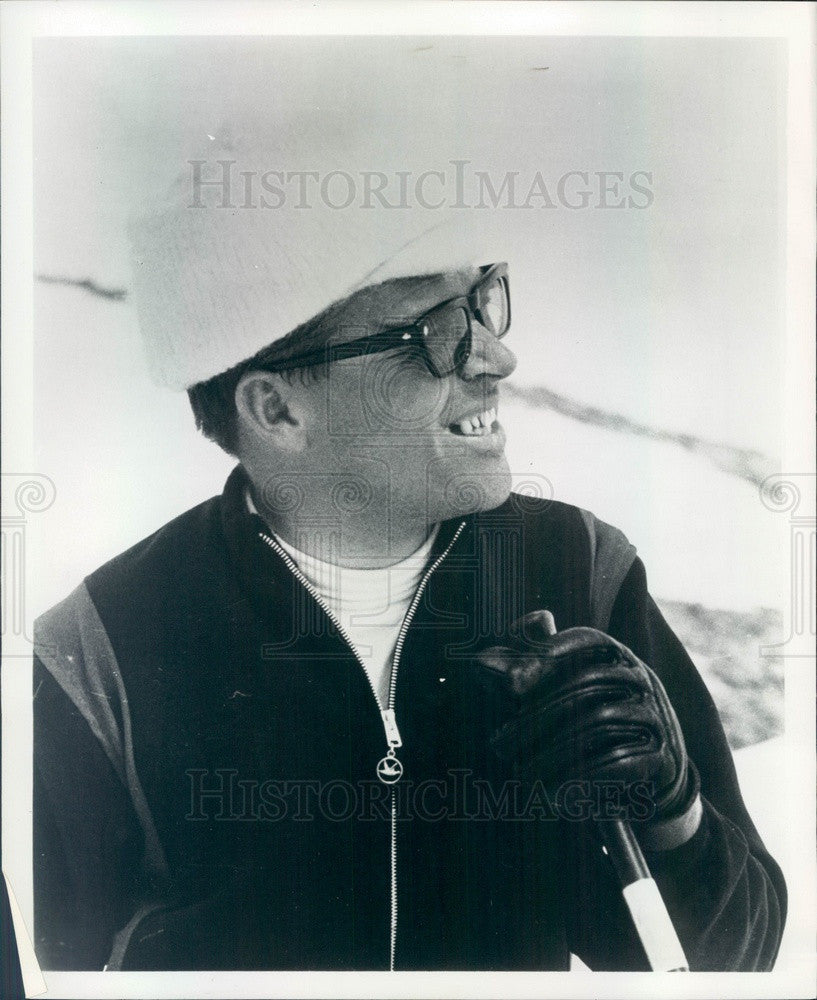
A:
{"points": [[475, 490]]}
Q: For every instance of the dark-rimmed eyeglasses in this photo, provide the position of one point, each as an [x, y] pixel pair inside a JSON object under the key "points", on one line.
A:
{"points": [[443, 335]]}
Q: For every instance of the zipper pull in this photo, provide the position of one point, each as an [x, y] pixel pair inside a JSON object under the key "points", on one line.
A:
{"points": [[392, 732], [389, 768]]}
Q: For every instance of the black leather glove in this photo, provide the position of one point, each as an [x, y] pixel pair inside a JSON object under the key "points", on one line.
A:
{"points": [[586, 708]]}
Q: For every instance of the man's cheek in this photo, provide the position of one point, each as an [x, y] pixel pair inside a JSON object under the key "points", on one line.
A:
{"points": [[399, 396], [345, 414]]}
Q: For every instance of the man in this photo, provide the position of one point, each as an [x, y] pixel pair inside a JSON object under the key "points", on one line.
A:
{"points": [[364, 709]]}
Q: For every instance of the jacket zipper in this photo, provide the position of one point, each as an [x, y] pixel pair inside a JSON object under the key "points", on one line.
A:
{"points": [[389, 769]]}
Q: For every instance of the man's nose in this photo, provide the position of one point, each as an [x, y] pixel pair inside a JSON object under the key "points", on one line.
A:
{"points": [[488, 356]]}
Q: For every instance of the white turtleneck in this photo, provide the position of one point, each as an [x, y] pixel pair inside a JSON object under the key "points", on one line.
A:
{"points": [[370, 604]]}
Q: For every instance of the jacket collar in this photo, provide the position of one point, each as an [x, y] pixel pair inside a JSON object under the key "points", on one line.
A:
{"points": [[263, 573]]}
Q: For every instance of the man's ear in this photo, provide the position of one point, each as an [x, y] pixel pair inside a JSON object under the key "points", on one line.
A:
{"points": [[268, 409]]}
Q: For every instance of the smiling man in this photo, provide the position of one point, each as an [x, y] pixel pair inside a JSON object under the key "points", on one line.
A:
{"points": [[325, 720], [409, 415]]}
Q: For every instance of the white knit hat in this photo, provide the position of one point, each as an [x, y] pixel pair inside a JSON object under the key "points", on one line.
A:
{"points": [[223, 270]]}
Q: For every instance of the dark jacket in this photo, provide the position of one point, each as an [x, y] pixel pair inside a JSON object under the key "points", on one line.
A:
{"points": [[206, 746]]}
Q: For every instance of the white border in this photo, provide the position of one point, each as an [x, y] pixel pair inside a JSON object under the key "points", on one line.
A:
{"points": [[21, 21]]}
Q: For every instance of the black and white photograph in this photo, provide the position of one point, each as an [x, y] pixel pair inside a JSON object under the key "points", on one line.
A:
{"points": [[408, 531]]}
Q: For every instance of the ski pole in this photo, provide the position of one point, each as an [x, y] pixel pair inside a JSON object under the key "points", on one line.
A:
{"points": [[652, 922]]}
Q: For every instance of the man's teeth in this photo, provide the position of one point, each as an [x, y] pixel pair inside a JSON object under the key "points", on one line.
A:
{"points": [[478, 426]]}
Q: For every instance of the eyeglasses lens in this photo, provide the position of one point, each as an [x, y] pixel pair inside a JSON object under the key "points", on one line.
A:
{"points": [[494, 307], [448, 341]]}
